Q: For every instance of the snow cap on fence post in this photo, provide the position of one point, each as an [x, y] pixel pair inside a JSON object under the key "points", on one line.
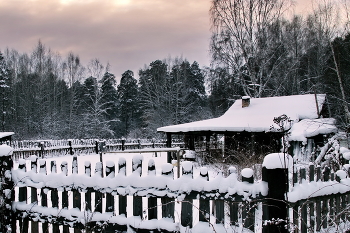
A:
{"points": [[247, 175], [110, 169], [42, 166], [151, 167], [64, 168], [98, 169], [187, 169], [33, 163], [6, 188], [204, 173], [137, 164], [167, 170], [122, 166], [87, 165], [75, 165]]}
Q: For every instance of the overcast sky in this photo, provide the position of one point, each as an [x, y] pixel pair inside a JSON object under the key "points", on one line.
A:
{"points": [[125, 33]]}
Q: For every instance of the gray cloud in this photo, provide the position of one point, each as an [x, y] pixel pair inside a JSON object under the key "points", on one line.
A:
{"points": [[127, 33]]}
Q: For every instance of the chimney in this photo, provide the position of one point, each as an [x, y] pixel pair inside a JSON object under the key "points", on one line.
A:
{"points": [[245, 101]]}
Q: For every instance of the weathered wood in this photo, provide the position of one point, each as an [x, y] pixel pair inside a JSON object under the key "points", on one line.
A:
{"points": [[311, 172], [312, 214], [34, 228], [55, 228], [33, 191], [152, 208], [219, 211], [168, 207], [187, 212], [43, 192], [304, 217], [234, 213], [22, 191], [324, 212], [318, 215], [98, 195], [65, 200], [248, 215], [110, 173], [122, 199]]}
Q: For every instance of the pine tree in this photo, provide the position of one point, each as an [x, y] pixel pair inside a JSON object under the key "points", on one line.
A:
{"points": [[127, 93], [5, 90]]}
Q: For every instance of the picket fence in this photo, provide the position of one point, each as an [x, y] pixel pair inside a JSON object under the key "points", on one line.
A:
{"points": [[164, 203], [51, 148]]}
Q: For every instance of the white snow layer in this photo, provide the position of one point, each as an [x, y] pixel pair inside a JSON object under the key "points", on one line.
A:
{"points": [[308, 128], [258, 116], [278, 160], [5, 150]]}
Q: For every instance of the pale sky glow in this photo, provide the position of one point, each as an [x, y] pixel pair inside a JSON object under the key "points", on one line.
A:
{"points": [[125, 33]]}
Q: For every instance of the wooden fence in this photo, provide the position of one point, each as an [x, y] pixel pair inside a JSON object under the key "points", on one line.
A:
{"points": [[51, 148], [164, 203]]}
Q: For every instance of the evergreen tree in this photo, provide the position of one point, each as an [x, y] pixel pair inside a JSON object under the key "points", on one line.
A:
{"points": [[109, 100], [127, 93], [5, 90]]}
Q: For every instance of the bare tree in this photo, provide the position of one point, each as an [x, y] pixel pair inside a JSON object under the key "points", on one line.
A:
{"points": [[240, 39]]}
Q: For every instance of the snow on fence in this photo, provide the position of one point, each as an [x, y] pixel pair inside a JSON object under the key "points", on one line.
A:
{"points": [[317, 199], [50, 148], [111, 188]]}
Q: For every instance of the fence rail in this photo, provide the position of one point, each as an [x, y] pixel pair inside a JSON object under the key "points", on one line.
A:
{"points": [[52, 148]]}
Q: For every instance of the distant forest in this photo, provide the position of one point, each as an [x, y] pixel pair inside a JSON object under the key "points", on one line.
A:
{"points": [[46, 96]]}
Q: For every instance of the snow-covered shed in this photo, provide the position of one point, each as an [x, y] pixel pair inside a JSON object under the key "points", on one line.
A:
{"points": [[6, 137], [262, 122]]}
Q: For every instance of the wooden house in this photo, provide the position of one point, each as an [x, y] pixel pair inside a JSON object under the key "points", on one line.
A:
{"points": [[257, 125]]}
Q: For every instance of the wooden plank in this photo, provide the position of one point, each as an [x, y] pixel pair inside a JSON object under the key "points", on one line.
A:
{"points": [[219, 211], [204, 210], [152, 208], [186, 212], [168, 207]]}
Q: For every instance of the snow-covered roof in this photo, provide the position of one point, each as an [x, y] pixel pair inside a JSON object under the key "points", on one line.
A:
{"points": [[258, 116], [308, 128], [6, 134]]}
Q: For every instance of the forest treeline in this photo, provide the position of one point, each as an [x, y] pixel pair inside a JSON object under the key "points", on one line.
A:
{"points": [[256, 49]]}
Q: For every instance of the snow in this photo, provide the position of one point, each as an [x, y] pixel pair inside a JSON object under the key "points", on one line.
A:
{"points": [[308, 128], [5, 150], [278, 160], [247, 172], [258, 117], [6, 134], [307, 190]]}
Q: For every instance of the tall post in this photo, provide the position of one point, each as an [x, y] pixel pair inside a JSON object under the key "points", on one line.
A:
{"points": [[7, 219], [168, 145], [275, 174]]}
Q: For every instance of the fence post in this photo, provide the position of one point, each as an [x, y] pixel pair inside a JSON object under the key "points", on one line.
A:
{"points": [[71, 152], [122, 199], [88, 191], [152, 201], [7, 218], [42, 170], [275, 173], [98, 194], [204, 206], [248, 212], [137, 170], [233, 205], [168, 204], [187, 203], [34, 191], [64, 169], [123, 144], [110, 173]]}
